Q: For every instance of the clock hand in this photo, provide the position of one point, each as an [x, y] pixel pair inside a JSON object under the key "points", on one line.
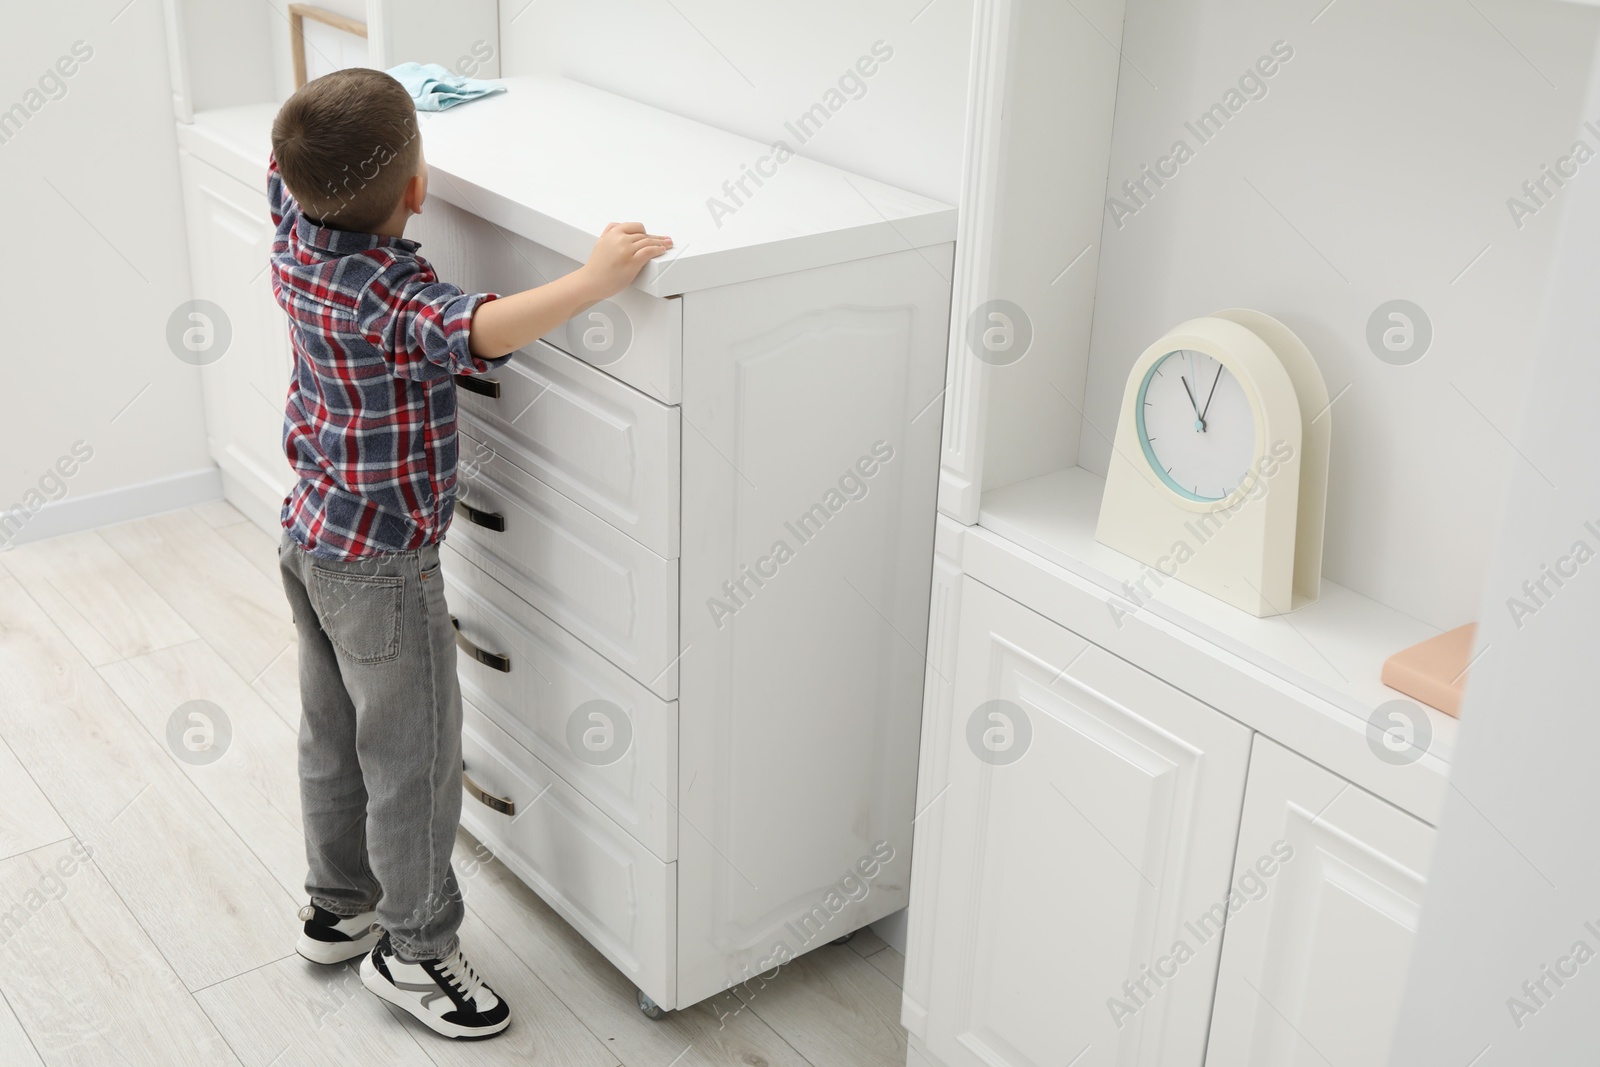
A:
{"points": [[1199, 421], [1213, 392]]}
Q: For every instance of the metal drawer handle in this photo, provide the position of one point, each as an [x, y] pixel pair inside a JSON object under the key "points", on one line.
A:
{"points": [[482, 386], [488, 659], [489, 520], [486, 798]]}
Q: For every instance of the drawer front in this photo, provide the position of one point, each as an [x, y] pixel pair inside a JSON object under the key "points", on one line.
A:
{"points": [[633, 336], [602, 881], [608, 737], [598, 442], [614, 594]]}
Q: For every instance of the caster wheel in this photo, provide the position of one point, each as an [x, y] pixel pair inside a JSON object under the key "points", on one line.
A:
{"points": [[649, 1008], [845, 940]]}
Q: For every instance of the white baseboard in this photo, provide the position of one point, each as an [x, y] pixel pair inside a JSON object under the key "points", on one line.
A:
{"points": [[256, 492], [74, 514]]}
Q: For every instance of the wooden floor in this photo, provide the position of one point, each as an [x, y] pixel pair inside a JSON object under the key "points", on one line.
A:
{"points": [[171, 942]]}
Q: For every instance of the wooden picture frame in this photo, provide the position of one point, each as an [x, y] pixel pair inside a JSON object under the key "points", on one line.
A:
{"points": [[298, 13]]}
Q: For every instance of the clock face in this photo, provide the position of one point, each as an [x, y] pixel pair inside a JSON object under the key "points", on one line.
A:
{"points": [[1195, 426]]}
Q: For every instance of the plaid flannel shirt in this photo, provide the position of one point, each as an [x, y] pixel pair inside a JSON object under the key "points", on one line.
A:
{"points": [[370, 422]]}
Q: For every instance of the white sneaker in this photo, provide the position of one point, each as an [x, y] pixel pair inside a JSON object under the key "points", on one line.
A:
{"points": [[329, 938], [445, 995]]}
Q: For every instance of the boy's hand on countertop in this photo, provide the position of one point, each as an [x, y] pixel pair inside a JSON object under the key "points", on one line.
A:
{"points": [[507, 324], [620, 254]]}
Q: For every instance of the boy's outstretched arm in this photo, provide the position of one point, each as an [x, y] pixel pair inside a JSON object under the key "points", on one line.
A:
{"points": [[505, 325]]}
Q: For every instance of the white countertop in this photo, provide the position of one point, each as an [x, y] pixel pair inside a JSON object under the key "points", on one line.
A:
{"points": [[1333, 648], [555, 161]]}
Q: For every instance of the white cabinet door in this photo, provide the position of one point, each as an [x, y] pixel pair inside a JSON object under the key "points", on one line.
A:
{"points": [[1315, 965], [808, 515], [1088, 816], [230, 236]]}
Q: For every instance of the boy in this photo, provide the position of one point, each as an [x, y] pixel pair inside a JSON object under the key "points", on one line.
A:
{"points": [[370, 428]]}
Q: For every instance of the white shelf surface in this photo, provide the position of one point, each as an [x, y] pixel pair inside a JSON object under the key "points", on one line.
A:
{"points": [[555, 161], [235, 140], [1333, 649]]}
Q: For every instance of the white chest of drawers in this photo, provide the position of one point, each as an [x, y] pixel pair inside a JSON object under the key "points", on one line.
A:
{"points": [[691, 567]]}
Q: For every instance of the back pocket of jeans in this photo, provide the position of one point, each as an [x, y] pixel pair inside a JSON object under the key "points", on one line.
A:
{"points": [[360, 613]]}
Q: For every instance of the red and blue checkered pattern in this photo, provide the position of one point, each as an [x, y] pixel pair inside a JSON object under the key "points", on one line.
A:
{"points": [[370, 422]]}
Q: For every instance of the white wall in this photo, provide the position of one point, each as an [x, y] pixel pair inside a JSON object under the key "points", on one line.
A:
{"points": [[1046, 239], [237, 51], [1516, 874], [94, 258], [751, 67], [1376, 167]]}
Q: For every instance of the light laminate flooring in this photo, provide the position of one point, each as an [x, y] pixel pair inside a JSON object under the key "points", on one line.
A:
{"points": [[147, 903]]}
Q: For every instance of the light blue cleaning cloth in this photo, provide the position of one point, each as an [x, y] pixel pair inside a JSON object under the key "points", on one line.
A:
{"points": [[436, 88]]}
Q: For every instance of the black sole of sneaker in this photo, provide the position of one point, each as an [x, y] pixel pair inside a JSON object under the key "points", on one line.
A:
{"points": [[387, 993]]}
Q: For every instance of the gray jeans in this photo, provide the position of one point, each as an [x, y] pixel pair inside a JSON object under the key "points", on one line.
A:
{"points": [[380, 740]]}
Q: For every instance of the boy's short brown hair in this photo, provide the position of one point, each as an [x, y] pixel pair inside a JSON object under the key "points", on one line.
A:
{"points": [[346, 145]]}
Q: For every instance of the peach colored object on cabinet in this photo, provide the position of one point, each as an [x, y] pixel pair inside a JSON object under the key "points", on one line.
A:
{"points": [[1435, 671]]}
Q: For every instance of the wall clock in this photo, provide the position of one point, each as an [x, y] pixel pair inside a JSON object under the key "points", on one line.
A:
{"points": [[1219, 471]]}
